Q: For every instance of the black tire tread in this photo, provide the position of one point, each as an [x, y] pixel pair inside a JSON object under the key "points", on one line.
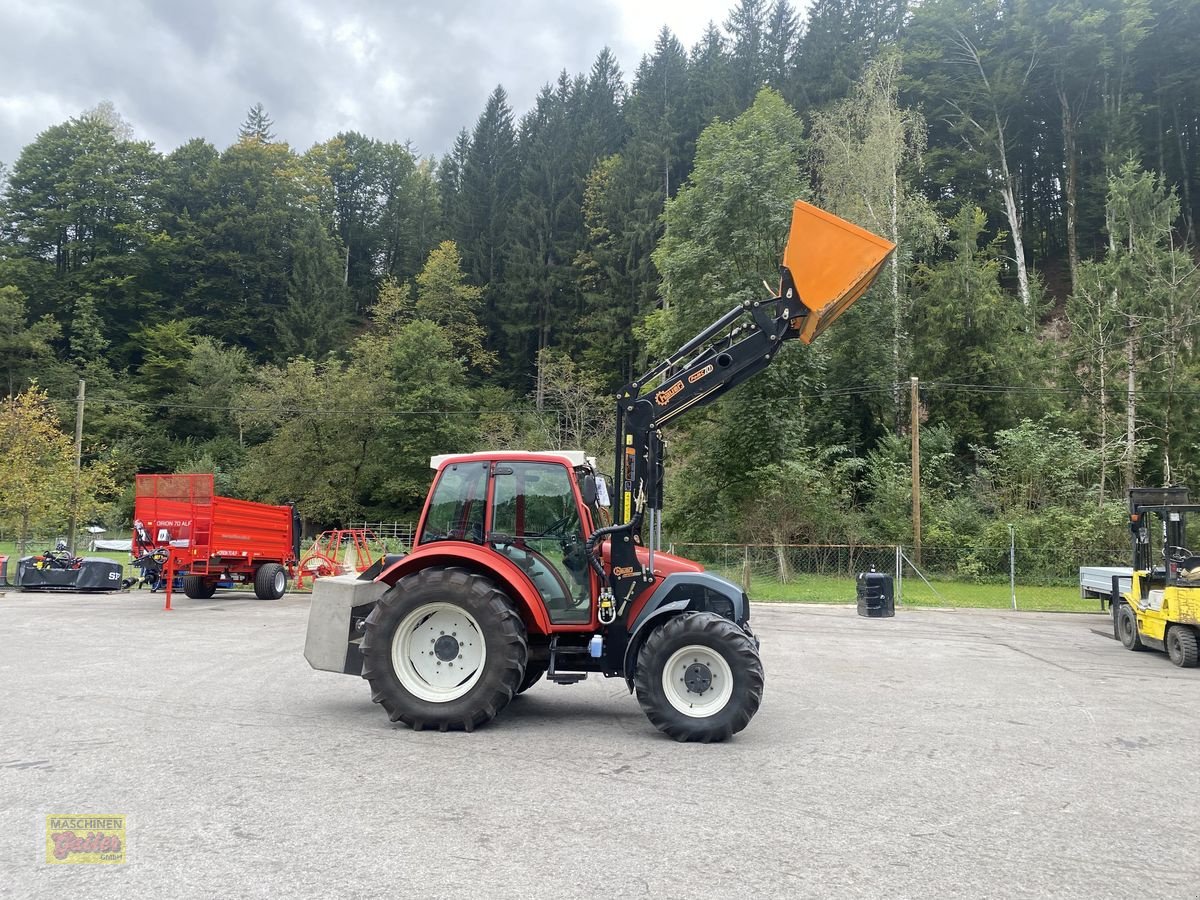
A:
{"points": [[702, 628], [1136, 640], [197, 587], [534, 672], [484, 601], [1189, 649], [264, 581]]}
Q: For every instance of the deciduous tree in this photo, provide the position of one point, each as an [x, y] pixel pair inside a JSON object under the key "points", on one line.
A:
{"points": [[37, 469]]}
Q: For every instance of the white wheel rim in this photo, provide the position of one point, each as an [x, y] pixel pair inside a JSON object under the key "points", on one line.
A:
{"points": [[697, 681], [438, 652], [280, 582]]}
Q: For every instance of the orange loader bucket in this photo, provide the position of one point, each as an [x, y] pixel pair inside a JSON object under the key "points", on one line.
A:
{"points": [[832, 263]]}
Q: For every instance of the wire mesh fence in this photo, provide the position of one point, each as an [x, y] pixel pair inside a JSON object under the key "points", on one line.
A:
{"points": [[394, 535], [786, 562]]}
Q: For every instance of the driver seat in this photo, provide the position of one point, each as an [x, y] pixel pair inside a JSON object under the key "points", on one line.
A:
{"points": [[1189, 570]]}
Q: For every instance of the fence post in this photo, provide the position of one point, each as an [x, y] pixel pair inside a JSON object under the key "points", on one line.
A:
{"points": [[899, 576], [1012, 563], [746, 569]]}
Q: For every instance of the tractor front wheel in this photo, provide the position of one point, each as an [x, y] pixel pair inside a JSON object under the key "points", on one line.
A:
{"points": [[699, 678], [1127, 629], [1182, 646], [445, 649]]}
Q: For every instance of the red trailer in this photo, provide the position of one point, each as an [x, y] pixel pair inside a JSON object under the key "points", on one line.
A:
{"points": [[211, 539]]}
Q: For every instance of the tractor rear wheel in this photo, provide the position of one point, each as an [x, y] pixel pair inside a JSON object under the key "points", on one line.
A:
{"points": [[1182, 646], [444, 649], [1127, 630], [699, 678], [198, 587], [270, 581]]}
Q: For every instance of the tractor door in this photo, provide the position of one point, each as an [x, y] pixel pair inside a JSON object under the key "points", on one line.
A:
{"points": [[536, 523]]}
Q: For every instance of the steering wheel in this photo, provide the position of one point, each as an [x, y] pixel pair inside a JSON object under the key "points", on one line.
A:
{"points": [[1177, 554], [553, 529]]}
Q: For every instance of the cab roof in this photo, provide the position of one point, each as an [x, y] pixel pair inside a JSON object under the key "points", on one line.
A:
{"points": [[574, 458]]}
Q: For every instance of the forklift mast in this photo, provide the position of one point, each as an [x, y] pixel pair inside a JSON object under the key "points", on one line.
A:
{"points": [[1171, 506], [827, 265]]}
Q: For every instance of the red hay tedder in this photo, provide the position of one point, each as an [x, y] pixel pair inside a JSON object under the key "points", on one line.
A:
{"points": [[337, 552]]}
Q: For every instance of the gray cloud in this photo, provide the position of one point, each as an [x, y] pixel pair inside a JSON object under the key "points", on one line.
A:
{"points": [[401, 70]]}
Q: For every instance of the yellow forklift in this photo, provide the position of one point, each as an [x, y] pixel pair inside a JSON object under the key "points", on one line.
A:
{"points": [[1161, 609]]}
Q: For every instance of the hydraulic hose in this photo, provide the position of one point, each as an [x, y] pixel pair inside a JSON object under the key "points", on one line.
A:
{"points": [[591, 547]]}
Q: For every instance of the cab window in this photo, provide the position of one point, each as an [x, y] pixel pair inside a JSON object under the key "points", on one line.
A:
{"points": [[458, 506], [535, 523]]}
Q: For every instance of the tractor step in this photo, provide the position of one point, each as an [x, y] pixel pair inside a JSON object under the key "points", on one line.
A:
{"points": [[552, 673], [567, 677]]}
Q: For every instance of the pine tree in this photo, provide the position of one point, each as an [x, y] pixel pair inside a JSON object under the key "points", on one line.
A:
{"points": [[451, 169], [257, 126], [444, 298], [489, 189], [780, 45], [747, 26], [317, 315], [541, 228]]}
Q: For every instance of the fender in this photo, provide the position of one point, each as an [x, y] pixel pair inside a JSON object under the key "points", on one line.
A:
{"points": [[684, 592], [478, 559]]}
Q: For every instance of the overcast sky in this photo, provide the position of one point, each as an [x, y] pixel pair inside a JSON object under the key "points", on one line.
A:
{"points": [[399, 70]]}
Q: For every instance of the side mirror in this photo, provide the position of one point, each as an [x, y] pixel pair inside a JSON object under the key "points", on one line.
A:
{"points": [[599, 490], [588, 489]]}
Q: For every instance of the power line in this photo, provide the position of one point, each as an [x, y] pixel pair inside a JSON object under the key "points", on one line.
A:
{"points": [[295, 410], [1119, 392]]}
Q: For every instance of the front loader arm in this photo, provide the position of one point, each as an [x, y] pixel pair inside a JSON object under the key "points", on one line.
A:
{"points": [[735, 347], [827, 265]]}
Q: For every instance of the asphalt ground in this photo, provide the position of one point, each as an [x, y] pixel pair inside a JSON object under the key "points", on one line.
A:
{"points": [[936, 754]]}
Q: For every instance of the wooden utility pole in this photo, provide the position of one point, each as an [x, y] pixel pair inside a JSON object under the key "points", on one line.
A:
{"points": [[78, 464], [915, 428]]}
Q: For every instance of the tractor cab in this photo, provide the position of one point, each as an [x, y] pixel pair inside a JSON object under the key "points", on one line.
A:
{"points": [[534, 509]]}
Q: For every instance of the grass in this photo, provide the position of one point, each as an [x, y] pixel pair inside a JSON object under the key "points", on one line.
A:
{"points": [[827, 589], [951, 594]]}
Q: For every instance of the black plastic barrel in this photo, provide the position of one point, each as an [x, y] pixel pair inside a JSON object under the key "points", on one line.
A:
{"points": [[876, 598]]}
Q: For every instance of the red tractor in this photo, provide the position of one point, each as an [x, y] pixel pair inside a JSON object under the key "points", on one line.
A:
{"points": [[517, 572]]}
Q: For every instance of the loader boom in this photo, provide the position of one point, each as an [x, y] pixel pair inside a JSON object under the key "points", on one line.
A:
{"points": [[828, 264]]}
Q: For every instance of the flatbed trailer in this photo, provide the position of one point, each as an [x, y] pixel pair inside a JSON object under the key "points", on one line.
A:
{"points": [[210, 539], [1096, 582]]}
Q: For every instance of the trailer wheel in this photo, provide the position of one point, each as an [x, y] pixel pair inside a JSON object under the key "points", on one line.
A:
{"points": [[1182, 646], [444, 649], [699, 678], [198, 587], [270, 581], [1127, 630]]}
